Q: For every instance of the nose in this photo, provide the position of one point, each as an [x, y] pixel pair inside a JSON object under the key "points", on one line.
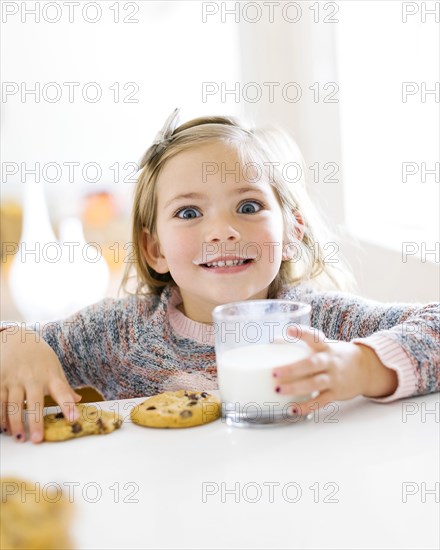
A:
{"points": [[221, 229]]}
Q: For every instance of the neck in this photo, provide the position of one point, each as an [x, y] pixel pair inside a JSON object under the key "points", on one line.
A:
{"points": [[194, 309], [199, 317]]}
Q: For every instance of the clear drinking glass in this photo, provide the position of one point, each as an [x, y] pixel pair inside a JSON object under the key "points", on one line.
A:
{"points": [[251, 338]]}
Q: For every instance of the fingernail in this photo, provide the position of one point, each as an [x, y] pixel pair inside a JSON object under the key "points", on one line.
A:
{"points": [[5, 430], [36, 438], [18, 436], [274, 374], [278, 389], [294, 410]]}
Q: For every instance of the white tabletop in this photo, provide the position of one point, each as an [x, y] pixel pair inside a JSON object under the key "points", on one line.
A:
{"points": [[362, 475]]}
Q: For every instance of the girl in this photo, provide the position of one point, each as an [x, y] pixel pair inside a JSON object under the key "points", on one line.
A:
{"points": [[216, 220]]}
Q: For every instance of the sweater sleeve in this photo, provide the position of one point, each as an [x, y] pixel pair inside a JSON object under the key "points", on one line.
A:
{"points": [[91, 343], [405, 337]]}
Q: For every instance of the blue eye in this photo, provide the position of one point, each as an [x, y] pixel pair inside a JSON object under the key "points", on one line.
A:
{"points": [[249, 207], [188, 213]]}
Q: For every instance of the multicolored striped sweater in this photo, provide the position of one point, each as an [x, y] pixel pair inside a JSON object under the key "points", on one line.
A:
{"points": [[142, 345]]}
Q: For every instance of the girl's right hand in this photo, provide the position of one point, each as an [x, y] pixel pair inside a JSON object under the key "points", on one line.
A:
{"points": [[30, 369]]}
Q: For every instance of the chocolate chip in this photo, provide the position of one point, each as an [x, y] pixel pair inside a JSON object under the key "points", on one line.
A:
{"points": [[193, 396], [204, 394], [192, 403], [117, 423], [151, 408], [100, 425], [59, 415], [76, 428], [186, 414]]}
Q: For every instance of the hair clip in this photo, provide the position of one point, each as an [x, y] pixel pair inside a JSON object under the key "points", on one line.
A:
{"points": [[168, 128], [162, 138]]}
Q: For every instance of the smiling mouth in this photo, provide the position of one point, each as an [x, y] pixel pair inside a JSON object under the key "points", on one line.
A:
{"points": [[227, 263]]}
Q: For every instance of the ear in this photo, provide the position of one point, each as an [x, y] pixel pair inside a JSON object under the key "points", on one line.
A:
{"points": [[300, 227], [152, 252], [289, 250]]}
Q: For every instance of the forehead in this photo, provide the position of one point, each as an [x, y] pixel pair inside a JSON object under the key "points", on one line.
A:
{"points": [[197, 167], [199, 159]]}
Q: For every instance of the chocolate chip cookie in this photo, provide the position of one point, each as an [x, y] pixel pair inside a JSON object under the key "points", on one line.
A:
{"points": [[91, 421], [34, 516], [178, 409]]}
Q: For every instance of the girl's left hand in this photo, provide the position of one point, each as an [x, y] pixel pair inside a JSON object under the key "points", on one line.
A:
{"points": [[337, 370]]}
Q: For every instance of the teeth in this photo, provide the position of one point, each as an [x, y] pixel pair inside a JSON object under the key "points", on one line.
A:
{"points": [[228, 263]]}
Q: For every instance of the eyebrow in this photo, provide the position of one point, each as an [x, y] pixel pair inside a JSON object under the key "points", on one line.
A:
{"points": [[239, 191]]}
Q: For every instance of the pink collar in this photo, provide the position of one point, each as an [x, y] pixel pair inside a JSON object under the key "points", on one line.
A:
{"points": [[183, 326]]}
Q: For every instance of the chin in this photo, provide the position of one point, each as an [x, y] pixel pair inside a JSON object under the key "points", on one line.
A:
{"points": [[239, 296]]}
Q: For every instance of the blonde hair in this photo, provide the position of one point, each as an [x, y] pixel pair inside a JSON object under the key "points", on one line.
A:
{"points": [[271, 150]]}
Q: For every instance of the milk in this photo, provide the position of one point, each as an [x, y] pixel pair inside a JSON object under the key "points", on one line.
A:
{"points": [[245, 373]]}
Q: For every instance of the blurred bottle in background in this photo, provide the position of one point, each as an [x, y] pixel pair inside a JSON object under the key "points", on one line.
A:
{"points": [[36, 276]]}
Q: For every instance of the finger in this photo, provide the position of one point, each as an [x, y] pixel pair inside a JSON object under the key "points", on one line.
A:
{"points": [[34, 414], [306, 386], [311, 336], [63, 394], [14, 410], [300, 369], [313, 405], [4, 424]]}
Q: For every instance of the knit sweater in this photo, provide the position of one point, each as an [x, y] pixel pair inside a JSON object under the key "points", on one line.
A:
{"points": [[142, 345]]}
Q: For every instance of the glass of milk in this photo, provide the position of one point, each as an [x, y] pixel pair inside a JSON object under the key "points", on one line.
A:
{"points": [[251, 338]]}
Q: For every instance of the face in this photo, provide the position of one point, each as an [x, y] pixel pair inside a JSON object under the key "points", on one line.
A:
{"points": [[219, 235]]}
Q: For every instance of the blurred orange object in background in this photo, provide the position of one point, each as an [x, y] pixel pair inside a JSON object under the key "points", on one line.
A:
{"points": [[99, 209]]}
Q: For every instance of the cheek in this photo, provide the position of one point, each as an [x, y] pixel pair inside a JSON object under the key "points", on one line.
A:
{"points": [[270, 238], [177, 247], [169, 237], [273, 230]]}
